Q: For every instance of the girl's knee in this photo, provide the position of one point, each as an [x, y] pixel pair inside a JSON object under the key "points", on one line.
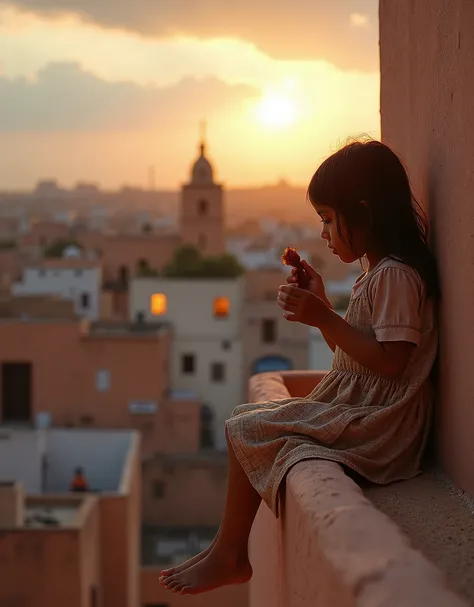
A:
{"points": [[238, 410]]}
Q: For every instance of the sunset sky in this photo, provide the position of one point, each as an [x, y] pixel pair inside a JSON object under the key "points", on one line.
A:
{"points": [[92, 90]]}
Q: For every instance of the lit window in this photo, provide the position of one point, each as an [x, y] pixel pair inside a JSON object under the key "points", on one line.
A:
{"points": [[221, 307], [159, 304]]}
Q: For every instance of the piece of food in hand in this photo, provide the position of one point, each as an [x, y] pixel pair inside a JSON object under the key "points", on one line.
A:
{"points": [[291, 258]]}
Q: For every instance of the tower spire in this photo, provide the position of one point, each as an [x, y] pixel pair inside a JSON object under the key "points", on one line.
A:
{"points": [[202, 131]]}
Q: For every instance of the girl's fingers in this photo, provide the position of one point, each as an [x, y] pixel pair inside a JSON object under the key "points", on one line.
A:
{"points": [[288, 308], [286, 297], [310, 271], [287, 302], [294, 292]]}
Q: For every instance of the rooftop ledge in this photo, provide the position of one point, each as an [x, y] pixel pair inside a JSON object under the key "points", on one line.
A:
{"points": [[340, 545]]}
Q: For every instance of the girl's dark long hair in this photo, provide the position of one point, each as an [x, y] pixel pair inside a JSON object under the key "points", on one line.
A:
{"points": [[370, 171]]}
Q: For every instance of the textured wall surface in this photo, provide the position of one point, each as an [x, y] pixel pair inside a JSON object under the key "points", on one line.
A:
{"points": [[427, 101], [331, 547]]}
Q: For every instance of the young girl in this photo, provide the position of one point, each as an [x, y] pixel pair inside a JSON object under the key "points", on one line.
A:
{"points": [[371, 412]]}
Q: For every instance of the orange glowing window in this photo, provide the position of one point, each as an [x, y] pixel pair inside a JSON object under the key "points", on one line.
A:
{"points": [[221, 307], [159, 304]]}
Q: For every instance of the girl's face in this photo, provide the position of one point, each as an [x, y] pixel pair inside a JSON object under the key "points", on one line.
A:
{"points": [[341, 246]]}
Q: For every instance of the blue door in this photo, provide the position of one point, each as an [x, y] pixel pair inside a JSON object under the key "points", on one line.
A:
{"points": [[271, 363]]}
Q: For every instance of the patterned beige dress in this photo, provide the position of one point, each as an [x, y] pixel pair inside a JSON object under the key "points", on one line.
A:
{"points": [[374, 425]]}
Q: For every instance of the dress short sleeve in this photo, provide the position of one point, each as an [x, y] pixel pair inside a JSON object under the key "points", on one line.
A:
{"points": [[396, 297]]}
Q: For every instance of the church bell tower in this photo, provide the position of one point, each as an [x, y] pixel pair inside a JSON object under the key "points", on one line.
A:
{"points": [[202, 221]]}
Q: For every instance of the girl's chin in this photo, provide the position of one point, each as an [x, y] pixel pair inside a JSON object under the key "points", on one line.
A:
{"points": [[346, 258]]}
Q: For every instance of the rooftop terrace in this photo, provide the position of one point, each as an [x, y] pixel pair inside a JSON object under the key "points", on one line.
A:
{"points": [[43, 461]]}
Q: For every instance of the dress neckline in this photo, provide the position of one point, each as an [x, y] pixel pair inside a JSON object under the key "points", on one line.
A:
{"points": [[368, 272], [362, 279]]}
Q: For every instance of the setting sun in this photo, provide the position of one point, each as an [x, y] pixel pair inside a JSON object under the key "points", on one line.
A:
{"points": [[276, 111]]}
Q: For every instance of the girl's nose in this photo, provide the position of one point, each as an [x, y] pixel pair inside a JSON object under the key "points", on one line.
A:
{"points": [[324, 233]]}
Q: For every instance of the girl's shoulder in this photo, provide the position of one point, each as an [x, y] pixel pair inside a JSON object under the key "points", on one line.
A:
{"points": [[389, 272], [388, 268]]}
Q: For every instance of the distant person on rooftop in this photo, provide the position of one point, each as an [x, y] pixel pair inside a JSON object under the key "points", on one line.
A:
{"points": [[79, 481], [371, 412]]}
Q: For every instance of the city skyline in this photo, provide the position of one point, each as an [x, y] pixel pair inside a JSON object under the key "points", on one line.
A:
{"points": [[100, 97]]}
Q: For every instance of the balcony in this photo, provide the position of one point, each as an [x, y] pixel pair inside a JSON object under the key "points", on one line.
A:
{"points": [[338, 544]]}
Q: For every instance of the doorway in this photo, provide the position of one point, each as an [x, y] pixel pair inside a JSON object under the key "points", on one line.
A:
{"points": [[16, 392]]}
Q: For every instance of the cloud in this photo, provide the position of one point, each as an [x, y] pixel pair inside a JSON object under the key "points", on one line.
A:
{"points": [[359, 20], [301, 29], [66, 98]]}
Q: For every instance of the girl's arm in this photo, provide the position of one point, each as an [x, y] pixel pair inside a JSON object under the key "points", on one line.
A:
{"points": [[385, 358], [396, 294], [327, 339]]}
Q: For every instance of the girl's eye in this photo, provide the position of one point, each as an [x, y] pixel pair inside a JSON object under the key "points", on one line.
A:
{"points": [[325, 221]]}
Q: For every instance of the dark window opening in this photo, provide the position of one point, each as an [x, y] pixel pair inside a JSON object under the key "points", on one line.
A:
{"points": [[188, 363], [203, 207], [159, 489], [85, 301], [226, 344], [268, 331], [207, 427], [218, 372], [16, 392]]}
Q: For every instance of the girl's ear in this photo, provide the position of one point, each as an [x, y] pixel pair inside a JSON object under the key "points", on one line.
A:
{"points": [[364, 203]]}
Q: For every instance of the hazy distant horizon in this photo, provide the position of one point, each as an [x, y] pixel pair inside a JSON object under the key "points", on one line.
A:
{"points": [[91, 93], [280, 184]]}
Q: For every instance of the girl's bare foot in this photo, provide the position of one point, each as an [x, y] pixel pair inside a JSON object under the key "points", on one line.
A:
{"points": [[189, 563], [217, 568]]}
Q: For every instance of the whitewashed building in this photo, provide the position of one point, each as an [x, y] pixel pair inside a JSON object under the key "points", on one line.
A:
{"points": [[76, 280], [206, 316]]}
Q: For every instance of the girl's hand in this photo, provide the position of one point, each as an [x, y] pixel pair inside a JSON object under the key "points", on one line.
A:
{"points": [[316, 283], [303, 306]]}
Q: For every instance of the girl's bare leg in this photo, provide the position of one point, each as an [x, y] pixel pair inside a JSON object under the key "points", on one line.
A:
{"points": [[226, 562]]}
